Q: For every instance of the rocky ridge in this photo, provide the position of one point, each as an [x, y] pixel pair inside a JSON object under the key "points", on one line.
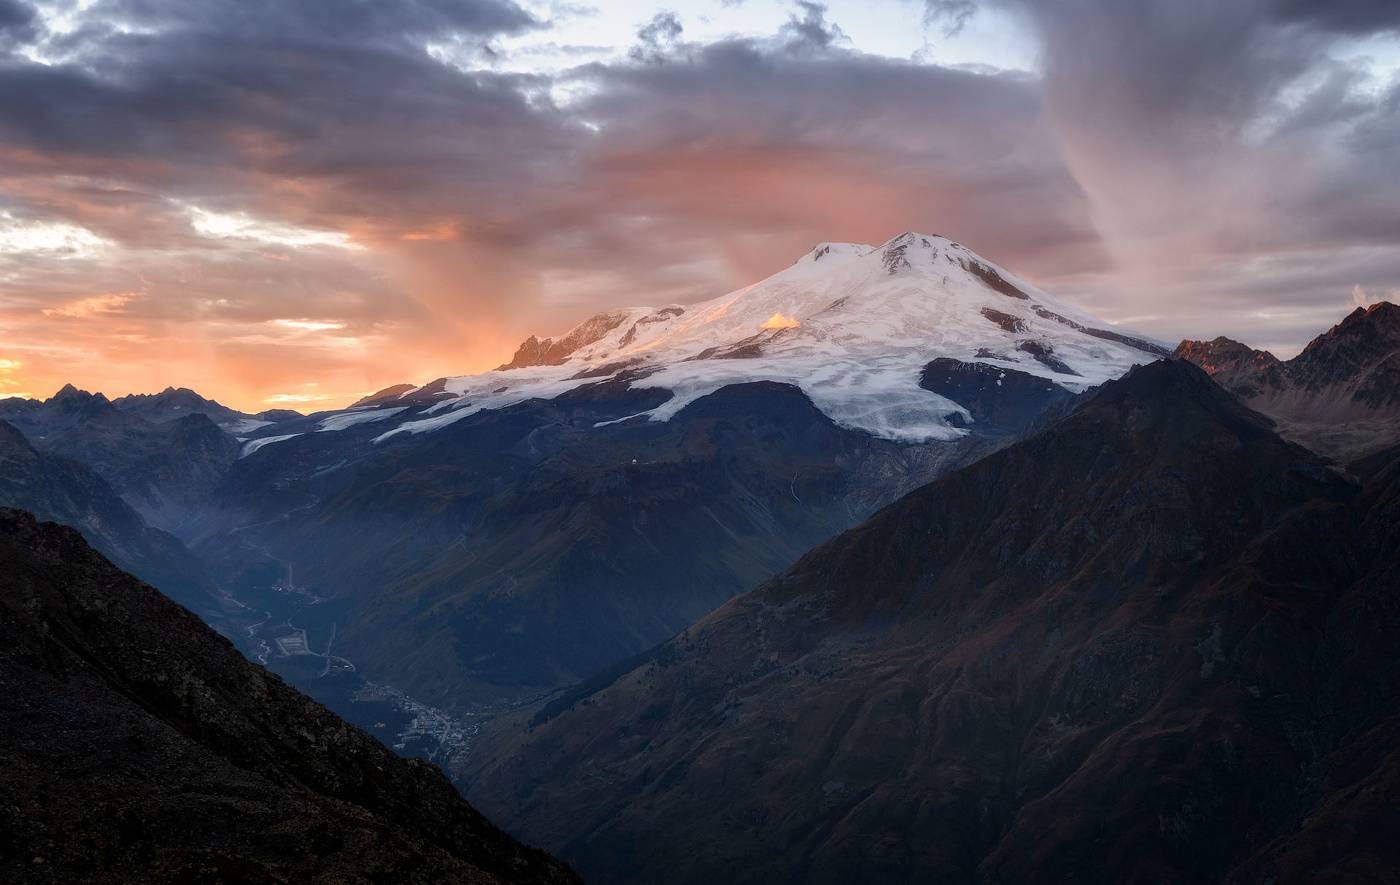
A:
{"points": [[1340, 396]]}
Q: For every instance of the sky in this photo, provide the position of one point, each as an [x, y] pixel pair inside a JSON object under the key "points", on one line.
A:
{"points": [[291, 203]]}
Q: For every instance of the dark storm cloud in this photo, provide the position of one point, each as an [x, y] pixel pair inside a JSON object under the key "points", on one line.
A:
{"points": [[204, 99], [15, 14], [1346, 16], [328, 20]]}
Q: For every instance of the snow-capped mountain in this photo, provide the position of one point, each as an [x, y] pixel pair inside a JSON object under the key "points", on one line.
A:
{"points": [[853, 326]]}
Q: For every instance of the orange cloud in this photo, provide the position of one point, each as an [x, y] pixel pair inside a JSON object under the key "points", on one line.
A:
{"points": [[87, 307], [778, 321]]}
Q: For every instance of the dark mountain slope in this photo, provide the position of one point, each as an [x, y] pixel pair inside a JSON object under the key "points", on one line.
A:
{"points": [[61, 490], [161, 469], [1140, 645], [136, 745]]}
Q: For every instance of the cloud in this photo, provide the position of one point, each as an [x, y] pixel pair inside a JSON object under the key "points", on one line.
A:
{"points": [[87, 307], [1344, 16], [954, 14], [811, 31], [1221, 127], [237, 168], [1361, 298], [14, 14], [656, 37]]}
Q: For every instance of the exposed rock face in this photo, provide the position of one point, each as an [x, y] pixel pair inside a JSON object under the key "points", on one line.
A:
{"points": [[1238, 368], [1152, 642], [549, 352], [136, 745], [1363, 349], [1340, 396], [1000, 399], [385, 394], [62, 490]]}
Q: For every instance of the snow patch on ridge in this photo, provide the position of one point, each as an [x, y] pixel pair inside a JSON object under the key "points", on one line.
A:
{"points": [[350, 419], [253, 445]]}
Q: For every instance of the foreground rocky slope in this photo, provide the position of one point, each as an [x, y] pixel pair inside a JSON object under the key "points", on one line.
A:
{"points": [[136, 745], [1153, 642]]}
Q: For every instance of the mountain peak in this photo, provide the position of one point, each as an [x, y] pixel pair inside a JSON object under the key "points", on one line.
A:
{"points": [[1377, 324], [853, 326], [1222, 354], [899, 252], [73, 399], [911, 237], [68, 391], [386, 393], [828, 251], [1179, 389]]}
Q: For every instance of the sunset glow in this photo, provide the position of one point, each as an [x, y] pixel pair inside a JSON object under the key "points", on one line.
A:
{"points": [[778, 321], [354, 201]]}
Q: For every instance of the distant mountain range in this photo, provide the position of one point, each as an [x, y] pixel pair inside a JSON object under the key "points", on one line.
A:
{"points": [[174, 403], [164, 454]]}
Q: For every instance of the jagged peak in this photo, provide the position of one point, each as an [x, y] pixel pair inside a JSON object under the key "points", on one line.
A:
{"points": [[1378, 325], [827, 250], [1217, 347], [1382, 313], [913, 237], [74, 397], [388, 392]]}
